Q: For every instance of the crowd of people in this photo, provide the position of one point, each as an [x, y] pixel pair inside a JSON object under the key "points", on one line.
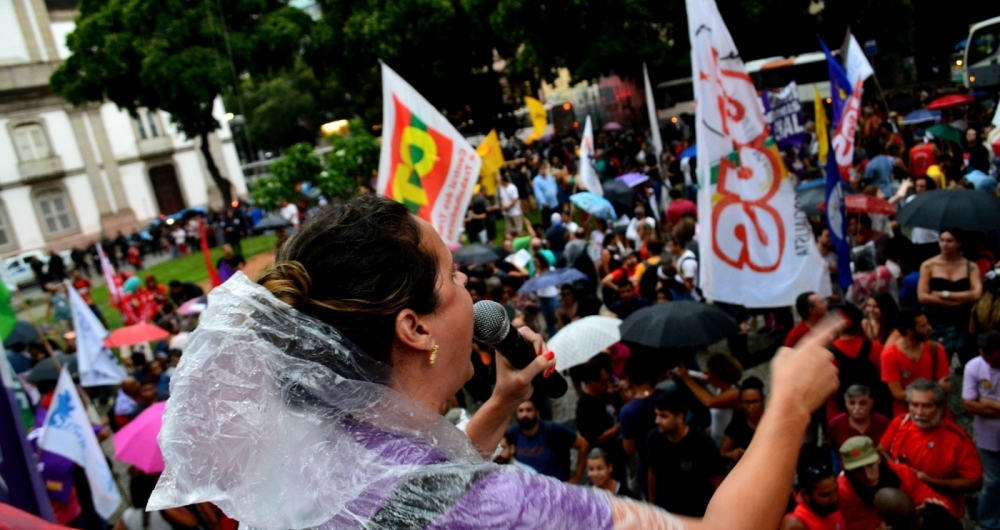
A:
{"points": [[666, 426], [921, 320]]}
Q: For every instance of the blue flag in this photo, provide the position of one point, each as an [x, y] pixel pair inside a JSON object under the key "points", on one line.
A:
{"points": [[840, 86], [836, 221]]}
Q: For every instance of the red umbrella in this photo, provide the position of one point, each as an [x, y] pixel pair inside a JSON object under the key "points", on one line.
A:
{"points": [[135, 334], [861, 203], [13, 519], [951, 100]]}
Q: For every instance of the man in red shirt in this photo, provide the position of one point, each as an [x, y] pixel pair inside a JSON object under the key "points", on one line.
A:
{"points": [[911, 358], [679, 207], [865, 472], [817, 499], [812, 308], [859, 420], [82, 286], [938, 450], [859, 361]]}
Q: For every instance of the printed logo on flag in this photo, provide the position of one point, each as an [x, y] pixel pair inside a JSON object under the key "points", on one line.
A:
{"points": [[421, 160], [748, 231]]}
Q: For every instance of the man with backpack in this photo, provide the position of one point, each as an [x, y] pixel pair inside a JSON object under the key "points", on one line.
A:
{"points": [[645, 272], [687, 267], [912, 357], [859, 362]]}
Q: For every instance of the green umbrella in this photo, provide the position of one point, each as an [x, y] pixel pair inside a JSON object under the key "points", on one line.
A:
{"points": [[946, 132]]}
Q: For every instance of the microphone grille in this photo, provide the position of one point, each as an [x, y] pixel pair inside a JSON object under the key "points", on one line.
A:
{"points": [[490, 323]]}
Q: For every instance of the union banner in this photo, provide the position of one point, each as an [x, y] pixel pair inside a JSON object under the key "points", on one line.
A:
{"points": [[425, 163], [756, 247]]}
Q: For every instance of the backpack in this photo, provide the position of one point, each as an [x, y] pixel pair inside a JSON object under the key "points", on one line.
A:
{"points": [[649, 281]]}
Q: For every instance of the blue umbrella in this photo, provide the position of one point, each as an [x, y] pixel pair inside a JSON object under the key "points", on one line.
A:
{"points": [[920, 116], [551, 279], [594, 204], [689, 152]]}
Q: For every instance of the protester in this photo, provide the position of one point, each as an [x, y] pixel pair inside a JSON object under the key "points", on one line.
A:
{"points": [[860, 361], [939, 451], [816, 501], [508, 451], [859, 419], [687, 267], [629, 301], [914, 356], [865, 473], [949, 286], [600, 472], [898, 511], [880, 318], [740, 430], [181, 292], [289, 212], [510, 204], [723, 372], [637, 416], [812, 308], [545, 188], [981, 399], [684, 464], [545, 446], [679, 207], [596, 417]]}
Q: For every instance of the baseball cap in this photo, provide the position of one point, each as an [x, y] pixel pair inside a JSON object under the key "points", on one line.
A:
{"points": [[556, 218], [858, 451]]}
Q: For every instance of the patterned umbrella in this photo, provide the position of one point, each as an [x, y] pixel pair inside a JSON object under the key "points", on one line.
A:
{"points": [[551, 279], [579, 341], [594, 204]]}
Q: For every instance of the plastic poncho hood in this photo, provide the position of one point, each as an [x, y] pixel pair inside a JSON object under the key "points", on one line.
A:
{"points": [[282, 422]]}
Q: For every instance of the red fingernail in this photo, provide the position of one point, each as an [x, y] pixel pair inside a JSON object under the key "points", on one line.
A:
{"points": [[550, 355], [539, 351], [549, 372]]}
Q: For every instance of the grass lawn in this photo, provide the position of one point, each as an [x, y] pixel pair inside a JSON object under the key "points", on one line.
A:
{"points": [[187, 269]]}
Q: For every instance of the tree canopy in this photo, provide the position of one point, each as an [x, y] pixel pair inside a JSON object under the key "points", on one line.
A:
{"points": [[176, 55]]}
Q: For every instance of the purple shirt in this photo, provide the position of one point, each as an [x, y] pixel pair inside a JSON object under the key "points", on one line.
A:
{"points": [[981, 380]]}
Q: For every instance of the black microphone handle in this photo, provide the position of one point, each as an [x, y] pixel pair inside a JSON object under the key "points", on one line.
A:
{"points": [[520, 354]]}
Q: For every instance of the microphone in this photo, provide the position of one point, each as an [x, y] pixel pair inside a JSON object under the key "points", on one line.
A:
{"points": [[492, 327]]}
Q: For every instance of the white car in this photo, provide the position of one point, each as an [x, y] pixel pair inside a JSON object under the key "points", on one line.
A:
{"points": [[18, 271]]}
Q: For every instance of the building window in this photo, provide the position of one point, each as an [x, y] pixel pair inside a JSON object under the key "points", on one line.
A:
{"points": [[54, 208], [146, 124], [31, 142]]}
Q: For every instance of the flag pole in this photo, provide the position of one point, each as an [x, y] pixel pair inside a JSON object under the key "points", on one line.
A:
{"points": [[843, 53]]}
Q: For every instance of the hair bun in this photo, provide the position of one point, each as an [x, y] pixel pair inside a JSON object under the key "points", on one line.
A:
{"points": [[288, 281]]}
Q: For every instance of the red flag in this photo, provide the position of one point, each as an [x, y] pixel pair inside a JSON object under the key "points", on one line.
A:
{"points": [[213, 275]]}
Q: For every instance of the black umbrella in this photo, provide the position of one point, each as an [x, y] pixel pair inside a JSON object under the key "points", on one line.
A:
{"points": [[272, 222], [619, 195], [677, 324], [476, 254], [970, 210], [46, 369], [24, 332]]}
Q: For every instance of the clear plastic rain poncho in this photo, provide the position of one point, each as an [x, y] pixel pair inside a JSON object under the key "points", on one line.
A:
{"points": [[281, 422]]}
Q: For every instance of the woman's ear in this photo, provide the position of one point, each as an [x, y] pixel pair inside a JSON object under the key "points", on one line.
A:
{"points": [[412, 332]]}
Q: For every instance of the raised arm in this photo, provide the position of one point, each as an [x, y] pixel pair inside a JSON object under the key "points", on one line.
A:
{"points": [[754, 495]]}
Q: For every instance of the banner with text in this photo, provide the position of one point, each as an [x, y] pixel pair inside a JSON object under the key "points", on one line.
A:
{"points": [[425, 163], [783, 111], [756, 247]]}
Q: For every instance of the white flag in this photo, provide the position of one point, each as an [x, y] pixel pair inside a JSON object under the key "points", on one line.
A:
{"points": [[425, 163], [67, 432], [96, 364], [114, 290], [858, 67], [654, 122], [588, 173], [756, 247]]}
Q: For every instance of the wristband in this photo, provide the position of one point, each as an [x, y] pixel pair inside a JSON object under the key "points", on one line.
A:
{"points": [[946, 294]]}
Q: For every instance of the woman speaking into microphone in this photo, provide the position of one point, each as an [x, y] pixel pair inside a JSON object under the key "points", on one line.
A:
{"points": [[314, 398]]}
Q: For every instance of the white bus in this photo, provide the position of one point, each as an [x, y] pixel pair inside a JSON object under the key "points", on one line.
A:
{"points": [[676, 97], [982, 55]]}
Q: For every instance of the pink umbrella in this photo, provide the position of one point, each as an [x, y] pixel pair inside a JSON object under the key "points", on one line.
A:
{"points": [[194, 306], [136, 443]]}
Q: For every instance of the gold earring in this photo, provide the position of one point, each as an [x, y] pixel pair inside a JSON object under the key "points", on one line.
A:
{"points": [[434, 354]]}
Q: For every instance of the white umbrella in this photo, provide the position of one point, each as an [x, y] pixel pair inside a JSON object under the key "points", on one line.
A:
{"points": [[579, 341]]}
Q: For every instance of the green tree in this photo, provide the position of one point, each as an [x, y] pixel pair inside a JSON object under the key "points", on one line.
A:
{"points": [[280, 110], [177, 56], [438, 46], [287, 174], [350, 163]]}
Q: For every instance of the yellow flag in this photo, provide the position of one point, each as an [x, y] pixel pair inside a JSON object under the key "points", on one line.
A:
{"points": [[821, 132], [539, 119], [492, 157]]}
